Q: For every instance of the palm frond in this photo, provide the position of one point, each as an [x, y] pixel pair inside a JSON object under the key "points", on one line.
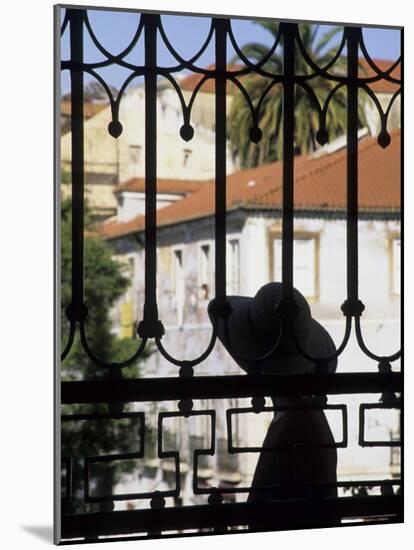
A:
{"points": [[314, 32], [270, 117]]}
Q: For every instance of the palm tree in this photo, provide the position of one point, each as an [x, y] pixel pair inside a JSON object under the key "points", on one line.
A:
{"points": [[269, 118]]}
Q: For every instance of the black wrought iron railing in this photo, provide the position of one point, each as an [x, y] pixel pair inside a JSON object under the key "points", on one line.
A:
{"points": [[160, 520]]}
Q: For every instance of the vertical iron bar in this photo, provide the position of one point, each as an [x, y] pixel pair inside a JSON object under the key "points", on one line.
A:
{"points": [[288, 31], [220, 157], [150, 306], [76, 94], [352, 164]]}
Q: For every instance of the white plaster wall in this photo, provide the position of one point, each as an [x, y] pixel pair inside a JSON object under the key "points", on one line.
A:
{"points": [[380, 321], [132, 204]]}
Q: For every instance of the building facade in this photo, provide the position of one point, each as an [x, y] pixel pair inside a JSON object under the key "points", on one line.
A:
{"points": [[110, 161], [185, 285]]}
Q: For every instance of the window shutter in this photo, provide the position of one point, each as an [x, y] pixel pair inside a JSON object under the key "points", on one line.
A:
{"points": [[127, 321], [233, 267], [304, 265]]}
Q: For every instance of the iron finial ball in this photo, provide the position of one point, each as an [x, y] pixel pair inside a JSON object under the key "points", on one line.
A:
{"points": [[255, 134], [187, 132], [115, 128], [322, 136]]}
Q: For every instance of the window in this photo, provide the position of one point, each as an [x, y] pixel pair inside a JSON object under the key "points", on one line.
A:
{"points": [[395, 266], [131, 267], [187, 156], [204, 271], [233, 267], [134, 160], [178, 284], [127, 320], [304, 264]]}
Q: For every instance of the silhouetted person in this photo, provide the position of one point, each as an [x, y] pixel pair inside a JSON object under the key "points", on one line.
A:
{"points": [[294, 469]]}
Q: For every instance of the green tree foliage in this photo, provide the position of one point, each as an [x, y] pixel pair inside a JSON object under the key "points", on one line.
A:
{"points": [[270, 117], [105, 283]]}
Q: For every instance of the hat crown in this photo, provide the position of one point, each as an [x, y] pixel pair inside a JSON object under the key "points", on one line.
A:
{"points": [[266, 315]]}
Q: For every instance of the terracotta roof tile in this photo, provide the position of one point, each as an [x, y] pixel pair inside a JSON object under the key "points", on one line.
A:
{"points": [[90, 109], [320, 184], [381, 86], [189, 82], [163, 186]]}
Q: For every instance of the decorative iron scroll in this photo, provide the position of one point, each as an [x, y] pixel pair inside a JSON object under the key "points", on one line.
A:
{"points": [[221, 31], [184, 388]]}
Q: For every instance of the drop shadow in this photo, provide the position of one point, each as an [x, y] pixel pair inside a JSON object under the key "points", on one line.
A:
{"points": [[43, 532]]}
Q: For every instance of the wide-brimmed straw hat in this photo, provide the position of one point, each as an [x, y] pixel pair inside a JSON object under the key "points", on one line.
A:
{"points": [[253, 327]]}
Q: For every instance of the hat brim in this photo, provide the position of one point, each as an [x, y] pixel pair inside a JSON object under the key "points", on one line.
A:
{"points": [[238, 337]]}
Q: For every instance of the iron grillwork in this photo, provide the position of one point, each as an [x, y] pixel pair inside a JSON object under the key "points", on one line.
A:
{"points": [[185, 387]]}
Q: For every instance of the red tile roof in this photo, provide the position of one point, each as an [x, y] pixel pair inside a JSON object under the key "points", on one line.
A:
{"points": [[90, 109], [380, 86], [189, 82], [180, 187], [320, 185]]}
